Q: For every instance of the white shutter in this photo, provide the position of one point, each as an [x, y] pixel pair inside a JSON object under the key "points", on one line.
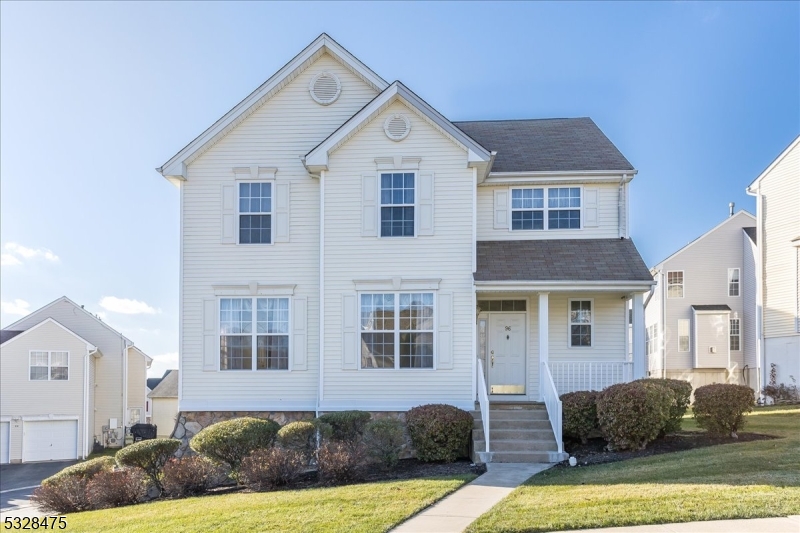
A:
{"points": [[444, 331], [349, 332], [501, 209], [424, 208], [299, 333], [282, 212], [228, 214], [369, 205], [590, 208], [210, 343]]}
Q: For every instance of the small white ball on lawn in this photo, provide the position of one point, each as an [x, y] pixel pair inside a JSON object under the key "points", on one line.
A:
{"points": [[573, 461]]}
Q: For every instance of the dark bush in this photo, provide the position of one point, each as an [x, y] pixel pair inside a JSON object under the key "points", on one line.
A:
{"points": [[299, 436], [340, 462], [150, 456], [67, 494], [270, 468], [85, 470], [579, 411], [683, 394], [231, 441], [384, 440], [116, 488], [190, 476], [633, 414], [439, 432], [348, 426], [720, 408]]}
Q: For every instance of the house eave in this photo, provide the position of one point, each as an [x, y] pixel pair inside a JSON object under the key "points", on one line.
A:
{"points": [[564, 286]]}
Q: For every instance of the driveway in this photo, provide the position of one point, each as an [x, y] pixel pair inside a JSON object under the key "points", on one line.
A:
{"points": [[17, 483]]}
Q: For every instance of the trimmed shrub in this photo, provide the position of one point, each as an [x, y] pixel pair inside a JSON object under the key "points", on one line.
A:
{"points": [[348, 426], [384, 440], [683, 394], [299, 436], [149, 455], [231, 441], [633, 414], [270, 468], [67, 494], [720, 407], [85, 470], [579, 411], [190, 476], [116, 488], [439, 432], [340, 462]]}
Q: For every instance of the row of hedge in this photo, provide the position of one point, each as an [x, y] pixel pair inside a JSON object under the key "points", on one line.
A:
{"points": [[631, 415], [259, 454]]}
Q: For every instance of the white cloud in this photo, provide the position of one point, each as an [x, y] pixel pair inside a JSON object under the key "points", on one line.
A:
{"points": [[169, 358], [162, 363], [17, 307], [9, 260], [126, 306], [31, 253]]}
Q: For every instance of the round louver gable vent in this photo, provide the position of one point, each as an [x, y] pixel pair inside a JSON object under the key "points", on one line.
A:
{"points": [[397, 127], [325, 88]]}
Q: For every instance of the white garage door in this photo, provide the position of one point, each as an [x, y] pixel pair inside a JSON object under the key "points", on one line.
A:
{"points": [[4, 430], [49, 440]]}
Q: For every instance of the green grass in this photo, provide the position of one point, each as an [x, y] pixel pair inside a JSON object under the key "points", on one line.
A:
{"points": [[107, 452], [747, 480], [367, 507]]}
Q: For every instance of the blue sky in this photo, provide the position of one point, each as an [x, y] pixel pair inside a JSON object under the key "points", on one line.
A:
{"points": [[700, 97]]}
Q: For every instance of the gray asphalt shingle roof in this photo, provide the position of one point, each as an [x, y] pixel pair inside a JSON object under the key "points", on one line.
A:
{"points": [[561, 260], [539, 145], [721, 307], [751, 232], [8, 334], [168, 388]]}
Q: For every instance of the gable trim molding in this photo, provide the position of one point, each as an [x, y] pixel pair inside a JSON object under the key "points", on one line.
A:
{"points": [[48, 320]]}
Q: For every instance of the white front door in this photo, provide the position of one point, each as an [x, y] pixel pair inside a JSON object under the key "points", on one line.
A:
{"points": [[506, 357], [49, 440]]}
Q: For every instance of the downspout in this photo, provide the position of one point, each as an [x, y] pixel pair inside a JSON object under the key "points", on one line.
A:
{"points": [[663, 324], [86, 399], [759, 286], [320, 389], [124, 388], [474, 295]]}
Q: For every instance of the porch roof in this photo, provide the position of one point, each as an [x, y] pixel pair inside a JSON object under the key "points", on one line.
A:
{"points": [[565, 260]]}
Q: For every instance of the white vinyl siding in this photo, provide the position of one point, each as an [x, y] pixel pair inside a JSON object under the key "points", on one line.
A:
{"points": [[137, 382]]}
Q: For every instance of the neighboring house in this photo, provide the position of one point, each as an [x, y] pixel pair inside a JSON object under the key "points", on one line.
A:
{"points": [[777, 266], [699, 326], [428, 261], [164, 398], [67, 379], [152, 383]]}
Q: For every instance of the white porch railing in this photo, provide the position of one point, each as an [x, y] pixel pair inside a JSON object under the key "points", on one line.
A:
{"points": [[483, 401], [553, 404], [571, 376]]}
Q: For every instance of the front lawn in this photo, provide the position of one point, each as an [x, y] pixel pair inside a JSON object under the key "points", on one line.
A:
{"points": [[746, 480], [352, 508]]}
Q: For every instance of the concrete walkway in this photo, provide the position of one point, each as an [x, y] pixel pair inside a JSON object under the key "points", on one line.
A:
{"points": [[788, 524], [454, 513]]}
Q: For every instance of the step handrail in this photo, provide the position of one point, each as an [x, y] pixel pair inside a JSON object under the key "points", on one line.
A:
{"points": [[483, 401], [553, 404]]}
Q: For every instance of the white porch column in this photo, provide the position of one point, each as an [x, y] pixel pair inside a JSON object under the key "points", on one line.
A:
{"points": [[544, 334], [639, 361]]}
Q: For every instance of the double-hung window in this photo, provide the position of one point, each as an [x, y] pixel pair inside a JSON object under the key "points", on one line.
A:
{"points": [[675, 284], [733, 282], [397, 330], [561, 209], [683, 335], [255, 213], [651, 340], [49, 365], [397, 204], [564, 208], [527, 209], [736, 338], [254, 334], [580, 323]]}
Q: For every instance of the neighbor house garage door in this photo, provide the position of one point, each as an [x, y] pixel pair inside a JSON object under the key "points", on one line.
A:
{"points": [[4, 430], [49, 440]]}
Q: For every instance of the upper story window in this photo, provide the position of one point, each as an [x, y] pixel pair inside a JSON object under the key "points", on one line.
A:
{"points": [[562, 210], [397, 330], [651, 339], [255, 213], [397, 204], [733, 282], [254, 333], [675, 284], [735, 335], [49, 366], [580, 323], [683, 335]]}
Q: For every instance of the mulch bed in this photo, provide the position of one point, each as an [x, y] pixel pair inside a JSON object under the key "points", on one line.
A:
{"points": [[594, 452]]}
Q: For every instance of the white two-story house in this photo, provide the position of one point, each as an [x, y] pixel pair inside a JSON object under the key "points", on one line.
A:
{"points": [[345, 246]]}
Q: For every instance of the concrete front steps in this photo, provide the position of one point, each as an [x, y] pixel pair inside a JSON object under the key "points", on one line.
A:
{"points": [[520, 433]]}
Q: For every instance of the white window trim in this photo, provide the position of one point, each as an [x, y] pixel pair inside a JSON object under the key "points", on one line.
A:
{"points": [[738, 283], [569, 324], [271, 213], [49, 365], [253, 335], [731, 335], [397, 332], [683, 284], [414, 171], [688, 334], [546, 208]]}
